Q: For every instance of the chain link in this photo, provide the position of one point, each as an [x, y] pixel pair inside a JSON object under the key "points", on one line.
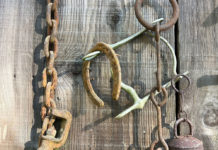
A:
{"points": [[49, 74], [159, 88], [157, 39]]}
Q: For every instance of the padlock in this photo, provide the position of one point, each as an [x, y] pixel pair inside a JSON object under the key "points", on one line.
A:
{"points": [[52, 141], [187, 142]]}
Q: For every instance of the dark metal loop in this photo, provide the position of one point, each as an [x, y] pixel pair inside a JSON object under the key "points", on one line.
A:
{"points": [[163, 27], [180, 121], [154, 101], [181, 91]]}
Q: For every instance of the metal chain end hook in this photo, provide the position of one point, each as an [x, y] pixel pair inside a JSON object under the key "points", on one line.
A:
{"points": [[163, 27], [159, 117], [50, 141]]}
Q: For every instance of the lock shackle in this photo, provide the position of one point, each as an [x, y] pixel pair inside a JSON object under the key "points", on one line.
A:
{"points": [[163, 27], [115, 65], [180, 121]]}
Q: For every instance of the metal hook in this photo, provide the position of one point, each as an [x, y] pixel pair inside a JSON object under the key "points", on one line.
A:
{"points": [[50, 141], [159, 117]]}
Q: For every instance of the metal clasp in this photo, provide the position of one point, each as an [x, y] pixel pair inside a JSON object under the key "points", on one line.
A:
{"points": [[50, 140]]}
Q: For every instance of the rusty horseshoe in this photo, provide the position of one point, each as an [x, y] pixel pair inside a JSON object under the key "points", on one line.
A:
{"points": [[115, 65]]}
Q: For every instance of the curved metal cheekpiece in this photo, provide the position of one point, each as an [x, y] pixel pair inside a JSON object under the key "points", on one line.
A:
{"points": [[163, 27], [49, 142], [180, 121], [115, 65], [181, 91]]}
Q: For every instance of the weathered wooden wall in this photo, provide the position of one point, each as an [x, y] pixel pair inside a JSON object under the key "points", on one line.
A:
{"points": [[83, 23], [197, 48]]}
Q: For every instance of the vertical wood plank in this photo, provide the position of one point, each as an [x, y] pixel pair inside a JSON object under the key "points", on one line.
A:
{"points": [[82, 24], [198, 53], [16, 61]]}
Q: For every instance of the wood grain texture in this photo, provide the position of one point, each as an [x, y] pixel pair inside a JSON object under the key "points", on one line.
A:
{"points": [[198, 33], [83, 23], [16, 63]]}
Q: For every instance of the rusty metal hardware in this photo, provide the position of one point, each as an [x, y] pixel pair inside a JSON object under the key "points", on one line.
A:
{"points": [[50, 138], [138, 102], [105, 48], [159, 88], [163, 27], [158, 106], [183, 142], [157, 38], [181, 93], [187, 142]]}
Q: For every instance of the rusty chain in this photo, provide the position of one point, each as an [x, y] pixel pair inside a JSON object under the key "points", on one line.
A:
{"points": [[159, 88], [182, 113], [49, 74], [157, 29], [47, 139]]}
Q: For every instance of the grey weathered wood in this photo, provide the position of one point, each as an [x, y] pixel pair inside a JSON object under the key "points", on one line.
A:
{"points": [[16, 63], [198, 33], [82, 24]]}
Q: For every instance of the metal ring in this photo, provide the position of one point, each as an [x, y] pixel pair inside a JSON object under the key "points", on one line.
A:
{"points": [[54, 78], [174, 86], [47, 43], [163, 27], [52, 8], [180, 121], [165, 94], [115, 65]]}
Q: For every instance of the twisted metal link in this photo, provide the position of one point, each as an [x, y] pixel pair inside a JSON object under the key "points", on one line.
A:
{"points": [[158, 106], [157, 39], [159, 88]]}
